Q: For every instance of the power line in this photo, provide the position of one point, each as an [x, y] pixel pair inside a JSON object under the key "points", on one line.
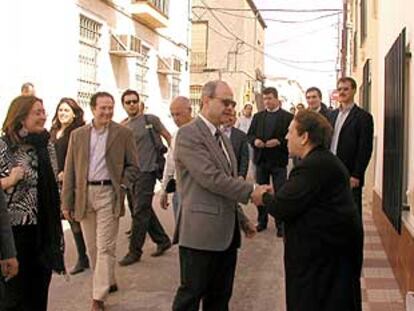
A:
{"points": [[257, 49], [300, 35], [272, 10], [281, 20]]}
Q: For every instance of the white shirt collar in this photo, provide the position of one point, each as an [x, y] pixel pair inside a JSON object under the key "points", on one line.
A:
{"points": [[273, 110], [211, 126]]}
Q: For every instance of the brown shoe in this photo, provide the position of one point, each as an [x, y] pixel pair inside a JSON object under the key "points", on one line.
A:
{"points": [[97, 305]]}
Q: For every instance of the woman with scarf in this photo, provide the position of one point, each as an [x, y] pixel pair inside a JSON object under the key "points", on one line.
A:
{"points": [[69, 116], [28, 173]]}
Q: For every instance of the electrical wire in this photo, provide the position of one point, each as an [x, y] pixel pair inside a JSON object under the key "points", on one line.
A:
{"points": [[257, 49], [282, 21], [272, 10]]}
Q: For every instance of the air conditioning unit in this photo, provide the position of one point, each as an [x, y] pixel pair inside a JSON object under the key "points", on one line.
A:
{"points": [[125, 45]]}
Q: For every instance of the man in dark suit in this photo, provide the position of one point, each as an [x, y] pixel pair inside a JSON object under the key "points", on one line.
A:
{"points": [[239, 143], [352, 136], [314, 99], [323, 237], [208, 223], [267, 137]]}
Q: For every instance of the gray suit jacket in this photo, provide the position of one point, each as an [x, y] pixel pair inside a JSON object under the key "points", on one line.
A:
{"points": [[7, 249], [209, 189]]}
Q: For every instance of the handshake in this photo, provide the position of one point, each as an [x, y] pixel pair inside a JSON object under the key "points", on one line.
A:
{"points": [[257, 194]]}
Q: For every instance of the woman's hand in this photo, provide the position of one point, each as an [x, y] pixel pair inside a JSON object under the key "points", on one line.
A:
{"points": [[16, 174]]}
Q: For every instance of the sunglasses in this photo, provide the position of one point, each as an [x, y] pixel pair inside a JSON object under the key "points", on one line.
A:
{"points": [[226, 101], [133, 101]]}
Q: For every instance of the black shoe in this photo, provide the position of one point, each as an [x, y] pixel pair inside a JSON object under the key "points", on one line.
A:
{"points": [[129, 259], [161, 249], [260, 228], [80, 266], [113, 288]]}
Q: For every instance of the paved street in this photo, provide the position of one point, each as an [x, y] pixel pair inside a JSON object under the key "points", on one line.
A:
{"points": [[259, 286], [151, 283]]}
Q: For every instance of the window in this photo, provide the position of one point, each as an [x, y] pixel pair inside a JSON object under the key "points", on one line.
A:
{"points": [[355, 49], [175, 86], [141, 78], [199, 46], [195, 98], [88, 54]]}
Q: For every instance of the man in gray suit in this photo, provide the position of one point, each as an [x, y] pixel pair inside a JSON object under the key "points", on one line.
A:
{"points": [[208, 225]]}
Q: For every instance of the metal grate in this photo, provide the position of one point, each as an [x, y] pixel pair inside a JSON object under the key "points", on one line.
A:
{"points": [[89, 35]]}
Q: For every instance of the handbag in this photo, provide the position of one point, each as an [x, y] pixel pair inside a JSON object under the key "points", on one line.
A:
{"points": [[160, 150]]}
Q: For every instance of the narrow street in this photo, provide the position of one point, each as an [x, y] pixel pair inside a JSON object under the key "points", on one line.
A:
{"points": [[150, 284]]}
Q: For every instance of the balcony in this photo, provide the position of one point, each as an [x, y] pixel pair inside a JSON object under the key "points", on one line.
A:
{"points": [[198, 61], [153, 13]]}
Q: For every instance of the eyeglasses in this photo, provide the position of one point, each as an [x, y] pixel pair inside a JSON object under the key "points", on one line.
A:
{"points": [[133, 101], [226, 101]]}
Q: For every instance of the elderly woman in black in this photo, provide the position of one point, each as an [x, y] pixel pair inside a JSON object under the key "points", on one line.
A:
{"points": [[28, 175], [68, 117], [323, 237]]}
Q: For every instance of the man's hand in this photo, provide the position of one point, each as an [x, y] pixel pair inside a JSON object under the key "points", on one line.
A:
{"points": [[164, 200], [271, 143], [257, 195], [249, 229], [258, 143], [354, 182], [60, 176], [67, 214], [9, 267]]}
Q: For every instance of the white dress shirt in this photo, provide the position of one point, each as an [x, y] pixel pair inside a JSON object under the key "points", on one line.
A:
{"points": [[340, 120]]}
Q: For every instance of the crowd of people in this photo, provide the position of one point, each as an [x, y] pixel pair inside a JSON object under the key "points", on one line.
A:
{"points": [[83, 172]]}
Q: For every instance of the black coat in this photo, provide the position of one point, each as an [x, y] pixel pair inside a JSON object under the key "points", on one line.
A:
{"points": [[277, 156], [241, 149], [325, 111], [355, 141], [323, 235]]}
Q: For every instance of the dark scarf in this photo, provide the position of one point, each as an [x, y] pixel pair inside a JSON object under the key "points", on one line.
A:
{"points": [[50, 233]]}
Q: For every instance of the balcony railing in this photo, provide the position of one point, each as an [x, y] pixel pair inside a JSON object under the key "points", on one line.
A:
{"points": [[153, 13], [160, 5]]}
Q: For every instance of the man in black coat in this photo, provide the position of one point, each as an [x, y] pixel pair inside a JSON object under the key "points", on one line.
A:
{"points": [[267, 137], [323, 230], [352, 137], [314, 99], [239, 143]]}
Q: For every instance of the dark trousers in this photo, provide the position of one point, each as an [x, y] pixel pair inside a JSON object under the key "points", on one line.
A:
{"points": [[28, 291], [357, 195], [144, 218], [206, 276], [263, 174]]}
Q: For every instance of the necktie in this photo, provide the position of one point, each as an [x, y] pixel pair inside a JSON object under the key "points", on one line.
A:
{"points": [[219, 141]]}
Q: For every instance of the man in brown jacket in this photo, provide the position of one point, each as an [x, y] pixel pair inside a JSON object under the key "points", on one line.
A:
{"points": [[101, 160]]}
